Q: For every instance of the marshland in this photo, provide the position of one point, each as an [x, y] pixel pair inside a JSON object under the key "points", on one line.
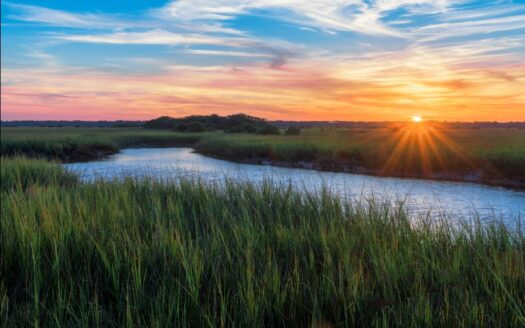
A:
{"points": [[491, 155], [154, 251]]}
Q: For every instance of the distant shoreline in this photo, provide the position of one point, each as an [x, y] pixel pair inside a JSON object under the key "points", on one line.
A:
{"points": [[278, 123]]}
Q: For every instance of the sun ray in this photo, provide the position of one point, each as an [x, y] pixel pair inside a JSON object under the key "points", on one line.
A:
{"points": [[433, 148], [419, 148]]}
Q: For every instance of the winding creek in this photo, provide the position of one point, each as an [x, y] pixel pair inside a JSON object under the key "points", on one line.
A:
{"points": [[438, 197]]}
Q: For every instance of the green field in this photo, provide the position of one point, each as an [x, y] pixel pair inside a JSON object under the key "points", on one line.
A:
{"points": [[113, 254], [488, 155]]}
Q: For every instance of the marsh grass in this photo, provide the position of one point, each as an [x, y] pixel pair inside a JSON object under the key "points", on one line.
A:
{"points": [[150, 253], [21, 173], [493, 154], [81, 144], [490, 152]]}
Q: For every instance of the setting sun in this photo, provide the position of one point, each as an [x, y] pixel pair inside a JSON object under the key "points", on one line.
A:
{"points": [[417, 118]]}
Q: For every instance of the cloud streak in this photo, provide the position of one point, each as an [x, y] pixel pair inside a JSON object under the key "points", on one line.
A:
{"points": [[152, 37], [37, 14]]}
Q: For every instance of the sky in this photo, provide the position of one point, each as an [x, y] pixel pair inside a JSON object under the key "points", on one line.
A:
{"points": [[366, 60]]}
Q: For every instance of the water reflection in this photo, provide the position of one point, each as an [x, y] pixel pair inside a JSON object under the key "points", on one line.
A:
{"points": [[463, 199]]}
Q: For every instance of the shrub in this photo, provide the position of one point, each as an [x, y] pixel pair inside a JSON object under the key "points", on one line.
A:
{"points": [[182, 127], [268, 129], [195, 127], [293, 131], [243, 128]]}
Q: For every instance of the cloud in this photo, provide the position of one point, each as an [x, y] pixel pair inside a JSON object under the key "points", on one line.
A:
{"points": [[471, 27], [37, 14], [152, 37], [350, 15], [278, 51], [226, 53], [490, 10], [343, 16]]}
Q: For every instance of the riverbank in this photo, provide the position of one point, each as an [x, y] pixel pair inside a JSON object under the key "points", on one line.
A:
{"points": [[143, 253], [476, 177], [493, 157], [86, 144]]}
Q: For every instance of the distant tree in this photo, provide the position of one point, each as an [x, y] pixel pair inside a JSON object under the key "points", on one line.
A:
{"points": [[268, 129], [163, 122], [239, 119], [249, 128], [237, 123], [196, 127], [293, 131], [181, 127], [242, 128]]}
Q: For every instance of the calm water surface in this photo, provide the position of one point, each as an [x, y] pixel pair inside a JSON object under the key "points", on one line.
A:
{"points": [[451, 198]]}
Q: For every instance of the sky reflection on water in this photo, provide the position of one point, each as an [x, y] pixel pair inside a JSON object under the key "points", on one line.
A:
{"points": [[452, 198]]}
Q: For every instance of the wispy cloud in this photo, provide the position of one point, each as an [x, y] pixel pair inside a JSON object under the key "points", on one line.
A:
{"points": [[490, 9], [350, 15], [152, 37], [472, 27], [344, 15], [278, 51], [37, 14], [226, 53]]}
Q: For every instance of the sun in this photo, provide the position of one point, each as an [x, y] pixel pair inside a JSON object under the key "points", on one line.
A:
{"points": [[417, 118]]}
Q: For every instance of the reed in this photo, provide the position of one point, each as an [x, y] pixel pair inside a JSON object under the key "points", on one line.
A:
{"points": [[189, 253]]}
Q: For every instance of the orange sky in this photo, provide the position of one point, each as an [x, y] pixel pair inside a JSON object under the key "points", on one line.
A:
{"points": [[298, 92]]}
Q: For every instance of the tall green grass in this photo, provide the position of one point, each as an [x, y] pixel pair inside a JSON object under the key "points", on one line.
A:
{"points": [[185, 253], [21, 173], [77, 144]]}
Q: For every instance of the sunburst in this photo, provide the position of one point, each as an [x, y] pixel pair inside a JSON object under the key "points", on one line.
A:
{"points": [[423, 148]]}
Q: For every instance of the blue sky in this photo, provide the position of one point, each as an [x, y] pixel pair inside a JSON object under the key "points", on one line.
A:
{"points": [[437, 58]]}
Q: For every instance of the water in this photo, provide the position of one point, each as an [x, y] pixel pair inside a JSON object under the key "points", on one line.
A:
{"points": [[422, 196]]}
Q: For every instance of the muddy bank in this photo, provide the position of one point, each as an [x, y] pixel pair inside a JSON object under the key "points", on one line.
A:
{"points": [[478, 177], [86, 153]]}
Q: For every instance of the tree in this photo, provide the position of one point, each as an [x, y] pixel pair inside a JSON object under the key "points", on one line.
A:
{"points": [[293, 131], [195, 127], [182, 127], [249, 128], [268, 129]]}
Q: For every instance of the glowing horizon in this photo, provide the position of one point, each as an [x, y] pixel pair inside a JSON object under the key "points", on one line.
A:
{"points": [[354, 60]]}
